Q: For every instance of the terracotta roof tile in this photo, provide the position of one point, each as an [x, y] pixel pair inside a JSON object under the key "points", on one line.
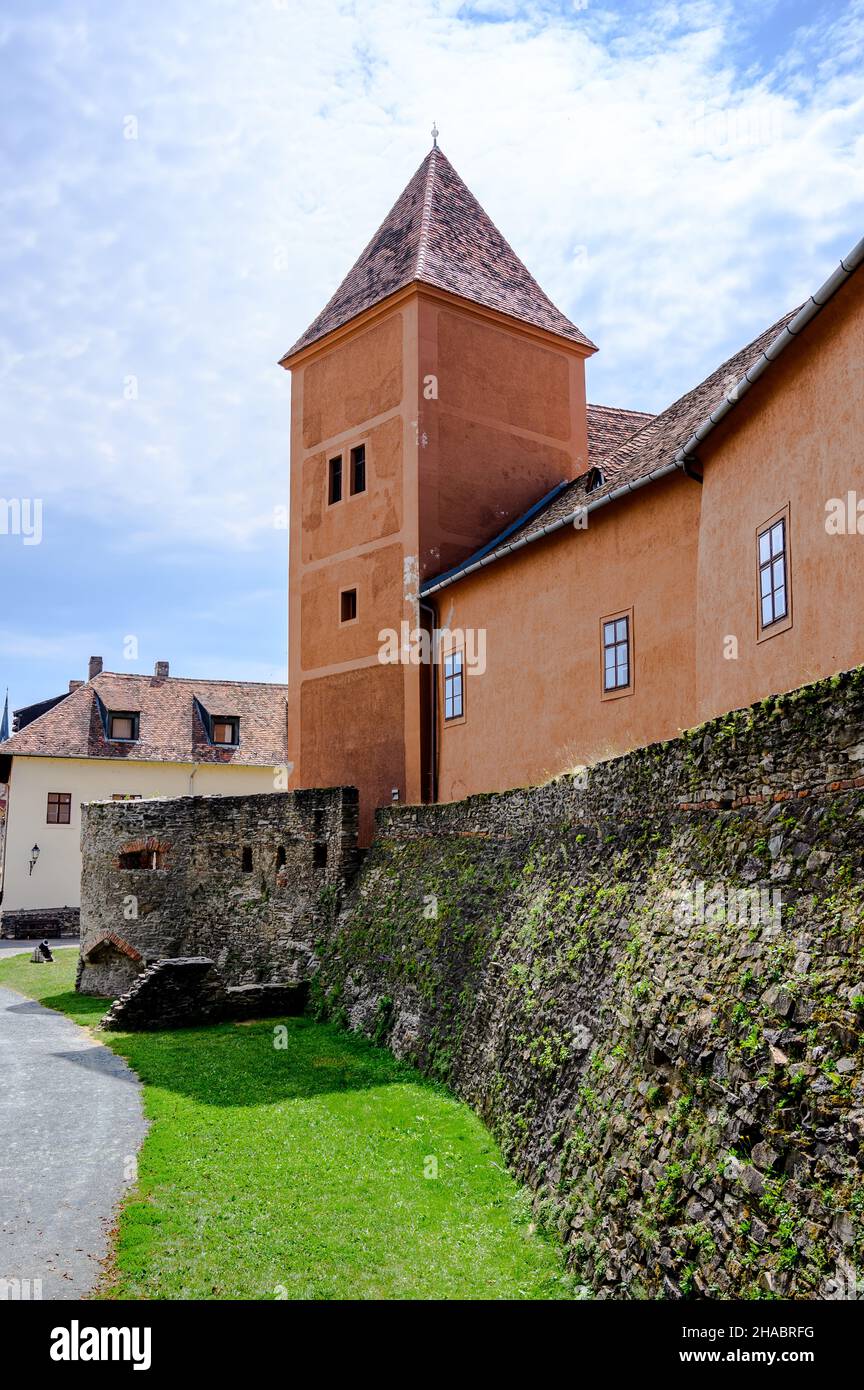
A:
{"points": [[609, 426], [641, 451], [170, 728], [437, 234], [659, 439]]}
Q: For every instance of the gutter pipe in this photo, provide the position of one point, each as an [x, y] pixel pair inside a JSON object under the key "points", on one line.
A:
{"points": [[796, 325]]}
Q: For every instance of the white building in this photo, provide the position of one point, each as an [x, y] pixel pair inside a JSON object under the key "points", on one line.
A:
{"points": [[119, 736]]}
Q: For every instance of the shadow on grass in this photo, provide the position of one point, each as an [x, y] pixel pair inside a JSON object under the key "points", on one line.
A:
{"points": [[262, 1062]]}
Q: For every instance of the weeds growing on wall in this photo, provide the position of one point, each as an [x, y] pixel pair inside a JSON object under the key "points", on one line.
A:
{"points": [[682, 1089]]}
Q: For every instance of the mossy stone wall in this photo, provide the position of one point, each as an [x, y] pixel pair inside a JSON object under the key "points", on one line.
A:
{"points": [[676, 1070]]}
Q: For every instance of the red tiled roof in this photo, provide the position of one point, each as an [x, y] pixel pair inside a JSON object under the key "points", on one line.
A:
{"points": [[609, 426], [640, 453], [170, 727], [659, 439], [437, 234]]}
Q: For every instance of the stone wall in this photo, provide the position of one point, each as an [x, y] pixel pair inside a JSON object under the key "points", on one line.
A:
{"points": [[38, 922], [669, 1054], [240, 880], [192, 991], [648, 978]]}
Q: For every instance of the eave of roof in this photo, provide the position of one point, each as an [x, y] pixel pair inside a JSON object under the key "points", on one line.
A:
{"points": [[476, 559], [788, 329], [808, 311], [498, 551]]}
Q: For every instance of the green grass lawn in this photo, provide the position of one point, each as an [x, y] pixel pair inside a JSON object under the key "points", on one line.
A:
{"points": [[300, 1171]]}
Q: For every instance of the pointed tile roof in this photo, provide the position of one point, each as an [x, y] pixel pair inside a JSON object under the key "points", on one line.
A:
{"points": [[437, 234]]}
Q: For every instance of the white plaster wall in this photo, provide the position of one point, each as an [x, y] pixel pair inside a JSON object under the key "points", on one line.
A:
{"points": [[55, 881]]}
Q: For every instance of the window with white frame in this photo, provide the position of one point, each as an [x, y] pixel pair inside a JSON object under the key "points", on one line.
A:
{"points": [[616, 653], [454, 685], [773, 573]]}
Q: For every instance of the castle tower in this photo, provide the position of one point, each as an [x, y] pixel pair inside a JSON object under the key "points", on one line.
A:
{"points": [[436, 397]]}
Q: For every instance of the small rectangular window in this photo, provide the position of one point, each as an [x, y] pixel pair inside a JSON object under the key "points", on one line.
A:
{"points": [[123, 726], [773, 573], [348, 605], [59, 808], [140, 859], [226, 730], [616, 637], [454, 688], [246, 859], [358, 469], [334, 491]]}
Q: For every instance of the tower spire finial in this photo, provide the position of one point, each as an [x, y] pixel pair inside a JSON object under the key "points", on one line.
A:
{"points": [[435, 133]]}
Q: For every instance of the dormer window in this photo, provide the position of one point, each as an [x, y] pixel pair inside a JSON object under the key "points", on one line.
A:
{"points": [[226, 730], [594, 480], [123, 726]]}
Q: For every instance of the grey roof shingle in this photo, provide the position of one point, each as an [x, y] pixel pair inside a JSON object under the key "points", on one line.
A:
{"points": [[437, 234]]}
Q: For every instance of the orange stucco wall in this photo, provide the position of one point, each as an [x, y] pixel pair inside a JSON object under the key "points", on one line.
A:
{"points": [[444, 472], [340, 747], [684, 558], [539, 707], [448, 468], [507, 424], [351, 719], [796, 439]]}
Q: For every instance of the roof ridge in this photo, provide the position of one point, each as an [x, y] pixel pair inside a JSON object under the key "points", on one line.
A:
{"points": [[426, 214], [170, 731], [198, 680], [621, 409]]}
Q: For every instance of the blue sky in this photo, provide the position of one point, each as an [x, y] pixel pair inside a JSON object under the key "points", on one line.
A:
{"points": [[183, 186]]}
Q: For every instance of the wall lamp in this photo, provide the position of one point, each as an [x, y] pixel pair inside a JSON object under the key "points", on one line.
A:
{"points": [[34, 855]]}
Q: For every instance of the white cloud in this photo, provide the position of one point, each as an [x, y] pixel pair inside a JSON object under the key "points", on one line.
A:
{"points": [[709, 188]]}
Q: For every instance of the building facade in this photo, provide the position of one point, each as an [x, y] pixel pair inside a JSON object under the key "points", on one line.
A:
{"points": [[123, 737], [587, 579]]}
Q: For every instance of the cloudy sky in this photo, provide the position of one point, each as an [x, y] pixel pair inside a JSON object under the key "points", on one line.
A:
{"points": [[183, 184]]}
